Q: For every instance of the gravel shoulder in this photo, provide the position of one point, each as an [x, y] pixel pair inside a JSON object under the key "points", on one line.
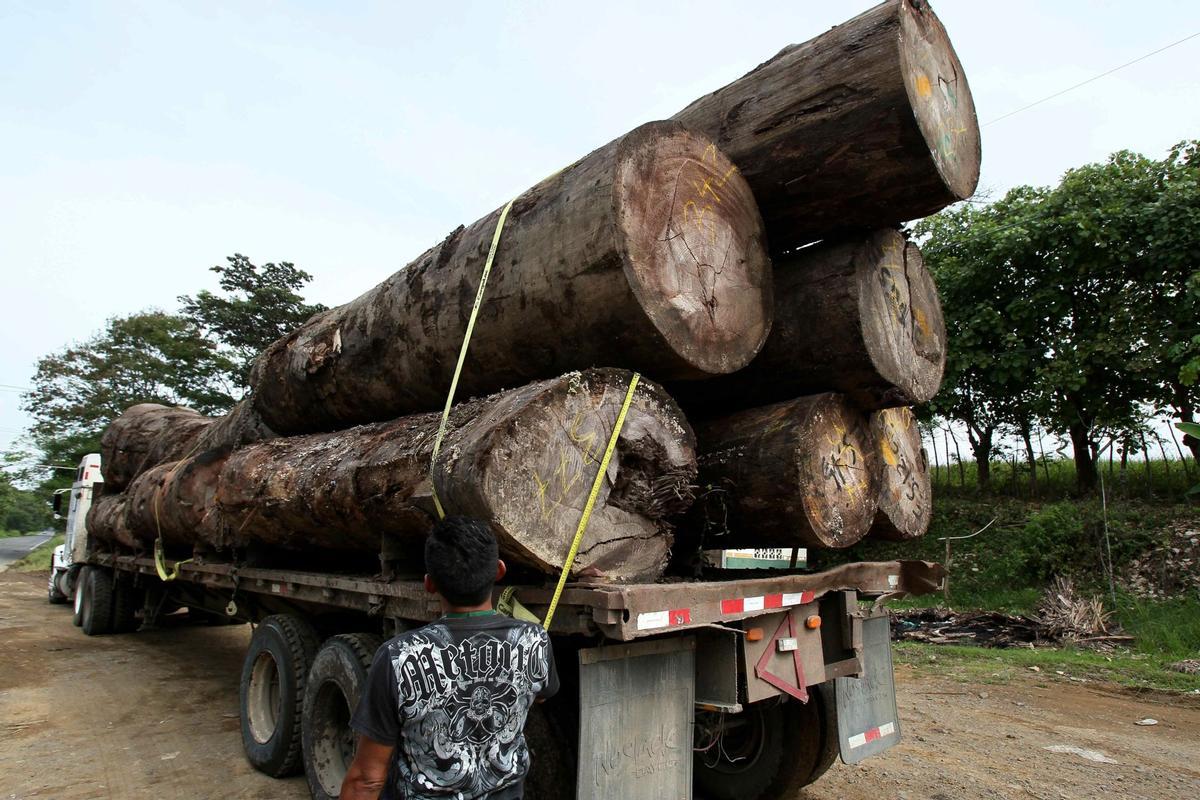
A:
{"points": [[155, 714]]}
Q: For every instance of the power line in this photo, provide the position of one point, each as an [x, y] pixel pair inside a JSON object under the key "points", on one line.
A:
{"points": [[1093, 78]]}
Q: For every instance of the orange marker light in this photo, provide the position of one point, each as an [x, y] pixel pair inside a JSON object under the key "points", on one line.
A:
{"points": [[813, 622], [754, 634]]}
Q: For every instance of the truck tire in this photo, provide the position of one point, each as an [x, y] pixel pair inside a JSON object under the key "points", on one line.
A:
{"points": [[97, 609], [80, 584], [335, 684], [55, 594], [274, 676], [770, 751], [127, 601]]}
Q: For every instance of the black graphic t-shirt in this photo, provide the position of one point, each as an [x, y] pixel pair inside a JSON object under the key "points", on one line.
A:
{"points": [[452, 697]]}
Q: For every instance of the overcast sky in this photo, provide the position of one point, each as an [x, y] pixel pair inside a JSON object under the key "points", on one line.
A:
{"points": [[141, 143]]}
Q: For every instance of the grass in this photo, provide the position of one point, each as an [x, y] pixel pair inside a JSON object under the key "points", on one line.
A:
{"points": [[1156, 478], [1002, 666], [39, 557]]}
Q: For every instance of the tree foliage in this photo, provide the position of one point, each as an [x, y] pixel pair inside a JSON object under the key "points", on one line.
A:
{"points": [[259, 305], [196, 358], [1073, 306]]}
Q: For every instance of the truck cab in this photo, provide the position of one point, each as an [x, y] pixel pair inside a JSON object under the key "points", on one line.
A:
{"points": [[73, 504]]}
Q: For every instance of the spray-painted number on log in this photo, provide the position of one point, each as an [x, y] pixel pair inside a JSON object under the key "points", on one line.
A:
{"points": [[841, 464]]}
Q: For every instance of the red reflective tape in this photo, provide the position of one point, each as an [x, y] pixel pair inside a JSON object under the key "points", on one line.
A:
{"points": [[872, 735], [681, 616], [773, 601], [732, 606]]}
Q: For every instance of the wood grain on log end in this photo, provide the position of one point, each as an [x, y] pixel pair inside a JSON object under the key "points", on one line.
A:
{"points": [[529, 462], [795, 473], [695, 252], [900, 322], [905, 486], [940, 98]]}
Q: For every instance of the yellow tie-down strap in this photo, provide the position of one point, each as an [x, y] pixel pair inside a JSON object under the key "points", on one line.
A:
{"points": [[591, 502], [462, 354]]}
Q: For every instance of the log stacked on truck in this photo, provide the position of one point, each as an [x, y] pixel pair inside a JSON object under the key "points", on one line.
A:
{"points": [[649, 253]]}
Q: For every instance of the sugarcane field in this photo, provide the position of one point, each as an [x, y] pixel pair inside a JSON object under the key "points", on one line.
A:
{"points": [[649, 401]]}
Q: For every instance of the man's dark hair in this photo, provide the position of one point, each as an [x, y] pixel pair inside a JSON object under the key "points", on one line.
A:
{"points": [[460, 557]]}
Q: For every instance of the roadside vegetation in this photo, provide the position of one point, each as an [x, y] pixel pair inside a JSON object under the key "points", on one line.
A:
{"points": [[38, 559]]}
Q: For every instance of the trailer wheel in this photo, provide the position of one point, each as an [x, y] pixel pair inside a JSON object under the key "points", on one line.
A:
{"points": [[80, 587], [127, 599], [97, 607], [274, 676], [335, 684], [768, 752]]}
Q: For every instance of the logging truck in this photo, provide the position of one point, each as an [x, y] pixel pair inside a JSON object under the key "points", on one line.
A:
{"points": [[736, 684]]}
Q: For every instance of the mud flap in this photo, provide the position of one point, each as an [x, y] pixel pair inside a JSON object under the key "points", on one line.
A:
{"points": [[868, 722], [635, 720]]}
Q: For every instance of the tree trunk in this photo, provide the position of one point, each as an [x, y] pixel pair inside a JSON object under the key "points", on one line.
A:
{"points": [[1030, 458], [981, 447], [860, 316], [869, 124], [524, 460], [902, 475], [106, 521], [145, 435], [647, 253], [791, 474], [1085, 467]]}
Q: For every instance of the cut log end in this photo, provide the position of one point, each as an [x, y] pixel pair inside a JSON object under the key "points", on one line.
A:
{"points": [[834, 463], [792, 474], [901, 318], [940, 98], [538, 482], [905, 487], [694, 248]]}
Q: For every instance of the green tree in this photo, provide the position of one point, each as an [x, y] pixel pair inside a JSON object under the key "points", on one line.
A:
{"points": [[147, 357], [995, 323], [260, 304]]}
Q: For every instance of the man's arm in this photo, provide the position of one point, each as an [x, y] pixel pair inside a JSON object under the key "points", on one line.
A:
{"points": [[368, 772]]}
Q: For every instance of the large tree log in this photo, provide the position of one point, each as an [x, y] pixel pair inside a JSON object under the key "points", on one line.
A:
{"points": [[905, 485], [177, 501], [794, 474], [859, 316], [647, 253], [145, 435], [869, 124], [106, 521], [523, 460], [242, 425]]}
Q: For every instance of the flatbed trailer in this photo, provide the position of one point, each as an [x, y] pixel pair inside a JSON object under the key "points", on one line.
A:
{"points": [[719, 687]]}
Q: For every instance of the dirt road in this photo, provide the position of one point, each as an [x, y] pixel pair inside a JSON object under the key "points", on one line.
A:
{"points": [[154, 714]]}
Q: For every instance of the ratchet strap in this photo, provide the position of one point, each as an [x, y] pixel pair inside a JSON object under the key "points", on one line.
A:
{"points": [[591, 502], [160, 562], [462, 355]]}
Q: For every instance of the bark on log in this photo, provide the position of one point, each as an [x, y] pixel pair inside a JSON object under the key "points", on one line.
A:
{"points": [[106, 521], [647, 253], [145, 435], [523, 459], [177, 500], [859, 316], [242, 425], [905, 485], [869, 124], [794, 474]]}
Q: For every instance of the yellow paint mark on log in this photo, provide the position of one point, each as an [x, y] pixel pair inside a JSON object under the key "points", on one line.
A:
{"points": [[924, 88]]}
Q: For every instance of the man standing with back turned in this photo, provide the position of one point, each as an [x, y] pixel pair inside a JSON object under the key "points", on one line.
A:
{"points": [[443, 712]]}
